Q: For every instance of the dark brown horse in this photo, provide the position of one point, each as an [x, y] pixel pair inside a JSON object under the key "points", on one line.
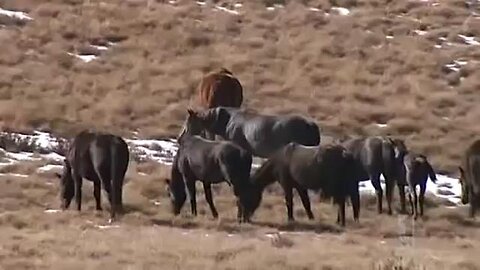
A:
{"points": [[219, 88], [380, 155], [328, 169], [100, 158], [470, 177], [210, 162], [417, 171]]}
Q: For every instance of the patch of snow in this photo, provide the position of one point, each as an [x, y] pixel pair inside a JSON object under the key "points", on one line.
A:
{"points": [[381, 125], [270, 8], [438, 46], [103, 227], [470, 40], [456, 65], [238, 5], [15, 14], [200, 3], [52, 211], [100, 48], [85, 58], [340, 11], [14, 174], [420, 32], [314, 9], [446, 188], [49, 167], [234, 12], [442, 38], [389, 37]]}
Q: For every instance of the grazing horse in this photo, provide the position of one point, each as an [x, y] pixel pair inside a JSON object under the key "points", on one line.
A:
{"points": [[470, 177], [210, 162], [328, 169], [219, 88], [379, 155], [417, 171], [98, 157], [259, 134]]}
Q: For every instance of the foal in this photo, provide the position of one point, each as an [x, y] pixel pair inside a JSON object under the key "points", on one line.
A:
{"points": [[418, 169]]}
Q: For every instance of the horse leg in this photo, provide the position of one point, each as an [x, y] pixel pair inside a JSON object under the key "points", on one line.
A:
{"points": [[401, 194], [421, 197], [390, 185], [378, 190], [302, 192], [208, 197], [78, 190], [473, 204], [341, 212], [355, 199], [97, 193], [192, 194], [410, 200], [413, 191], [288, 190]]}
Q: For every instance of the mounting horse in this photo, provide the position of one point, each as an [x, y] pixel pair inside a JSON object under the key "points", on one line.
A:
{"points": [[470, 177], [379, 155], [328, 169], [259, 134], [219, 88], [210, 162], [98, 157]]}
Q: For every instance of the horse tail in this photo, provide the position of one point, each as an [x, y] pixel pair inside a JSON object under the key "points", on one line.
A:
{"points": [[115, 183], [431, 172], [389, 162]]}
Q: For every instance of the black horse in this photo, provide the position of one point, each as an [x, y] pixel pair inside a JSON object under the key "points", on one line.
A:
{"points": [[328, 169], [379, 155], [470, 177], [210, 162], [417, 169], [98, 157], [259, 134]]}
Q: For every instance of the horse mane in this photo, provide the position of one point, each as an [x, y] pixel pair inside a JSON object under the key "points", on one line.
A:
{"points": [[263, 176]]}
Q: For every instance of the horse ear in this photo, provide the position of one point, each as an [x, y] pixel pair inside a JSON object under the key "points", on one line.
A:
{"points": [[191, 112], [462, 173]]}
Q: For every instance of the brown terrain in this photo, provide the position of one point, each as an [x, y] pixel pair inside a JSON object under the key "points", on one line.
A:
{"points": [[387, 62]]}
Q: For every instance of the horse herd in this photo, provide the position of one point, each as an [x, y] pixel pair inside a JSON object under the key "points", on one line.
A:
{"points": [[290, 145]]}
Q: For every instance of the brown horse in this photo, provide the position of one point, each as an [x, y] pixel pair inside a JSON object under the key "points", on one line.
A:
{"points": [[220, 88]]}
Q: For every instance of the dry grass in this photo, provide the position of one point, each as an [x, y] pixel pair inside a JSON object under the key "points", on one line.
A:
{"points": [[149, 237], [340, 70]]}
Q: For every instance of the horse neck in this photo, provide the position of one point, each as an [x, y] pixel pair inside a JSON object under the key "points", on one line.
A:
{"points": [[263, 176]]}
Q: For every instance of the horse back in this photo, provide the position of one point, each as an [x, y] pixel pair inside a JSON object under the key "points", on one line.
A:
{"points": [[89, 150], [220, 88]]}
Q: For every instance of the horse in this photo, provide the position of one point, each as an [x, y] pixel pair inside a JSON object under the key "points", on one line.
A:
{"points": [[259, 134], [219, 88], [418, 170], [379, 155], [470, 177], [328, 169], [211, 162], [98, 157]]}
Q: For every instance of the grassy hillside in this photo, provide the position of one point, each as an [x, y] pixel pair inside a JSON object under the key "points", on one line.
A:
{"points": [[384, 63]]}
